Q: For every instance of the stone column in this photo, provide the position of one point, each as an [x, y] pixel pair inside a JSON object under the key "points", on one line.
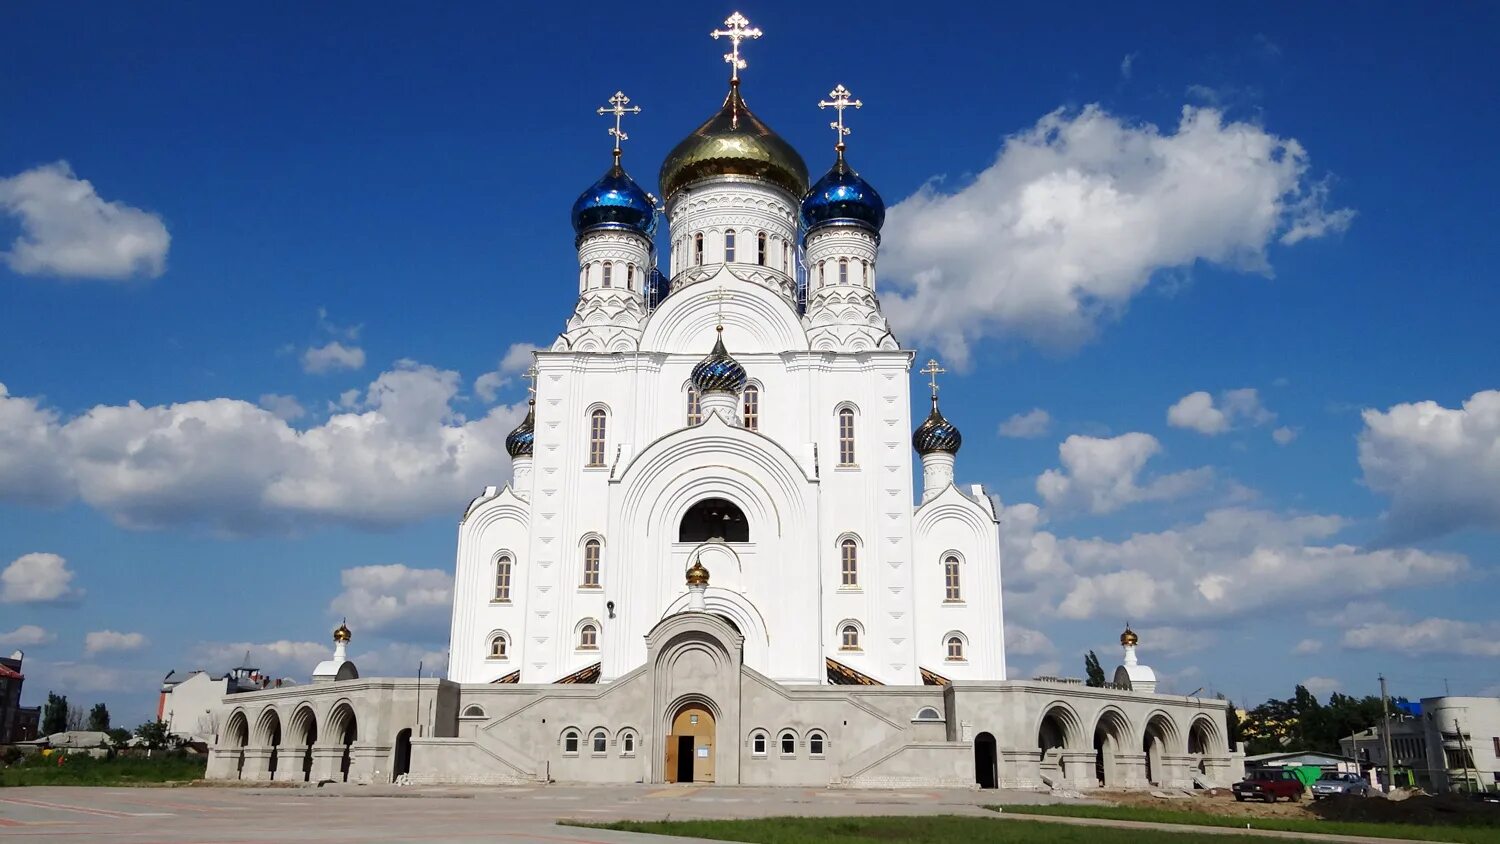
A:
{"points": [[325, 763], [1078, 766], [257, 764], [369, 764], [1131, 768], [1019, 768]]}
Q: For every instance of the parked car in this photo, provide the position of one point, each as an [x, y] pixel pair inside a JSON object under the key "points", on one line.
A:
{"points": [[1335, 785], [1268, 785]]}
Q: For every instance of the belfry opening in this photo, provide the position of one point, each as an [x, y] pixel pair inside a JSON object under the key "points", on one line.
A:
{"points": [[714, 519]]}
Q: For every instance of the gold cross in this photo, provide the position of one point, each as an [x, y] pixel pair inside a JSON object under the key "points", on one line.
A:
{"points": [[530, 376], [933, 370], [839, 100], [618, 109], [738, 29], [719, 298]]}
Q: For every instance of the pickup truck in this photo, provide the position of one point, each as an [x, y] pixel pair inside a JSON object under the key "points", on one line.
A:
{"points": [[1335, 785], [1269, 786]]}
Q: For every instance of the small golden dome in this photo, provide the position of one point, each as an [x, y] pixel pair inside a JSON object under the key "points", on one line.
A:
{"points": [[341, 633], [1128, 638], [697, 575]]}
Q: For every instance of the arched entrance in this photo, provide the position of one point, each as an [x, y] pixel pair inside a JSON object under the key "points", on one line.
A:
{"points": [[401, 756], [984, 761], [690, 745], [270, 736], [1058, 730], [1109, 743], [236, 736], [343, 728], [1203, 741], [714, 518], [1159, 739], [304, 726]]}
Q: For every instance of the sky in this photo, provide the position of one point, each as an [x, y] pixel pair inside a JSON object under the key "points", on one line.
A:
{"points": [[1213, 283]]}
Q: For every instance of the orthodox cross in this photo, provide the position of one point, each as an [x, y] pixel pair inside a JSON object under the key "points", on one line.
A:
{"points": [[617, 108], [530, 377], [737, 29], [839, 100], [719, 297], [933, 370]]}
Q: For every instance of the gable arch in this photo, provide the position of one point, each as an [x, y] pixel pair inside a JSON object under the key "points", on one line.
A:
{"points": [[756, 319]]}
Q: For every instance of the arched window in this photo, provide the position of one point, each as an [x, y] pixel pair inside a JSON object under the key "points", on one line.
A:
{"points": [[698, 249], [502, 578], [609, 273], [694, 407], [849, 638], [570, 741], [927, 713], [630, 276], [588, 637], [815, 743], [955, 646], [758, 743], [598, 425], [849, 562], [627, 743], [788, 743], [843, 271], [600, 742], [729, 246], [752, 407], [846, 437], [473, 711], [951, 591], [591, 564], [786, 257], [822, 273], [760, 249], [864, 272], [499, 647], [714, 518]]}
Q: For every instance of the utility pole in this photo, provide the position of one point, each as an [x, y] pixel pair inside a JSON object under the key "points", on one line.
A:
{"points": [[1385, 707]]}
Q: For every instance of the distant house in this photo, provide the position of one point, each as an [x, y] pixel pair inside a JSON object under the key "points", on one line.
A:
{"points": [[188, 704]]}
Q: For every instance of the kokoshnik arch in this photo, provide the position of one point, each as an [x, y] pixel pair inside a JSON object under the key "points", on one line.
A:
{"points": [[711, 563]]}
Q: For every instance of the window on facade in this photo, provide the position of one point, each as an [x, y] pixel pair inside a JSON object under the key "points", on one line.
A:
{"points": [[815, 744], [864, 272], [849, 638], [786, 257], [927, 713], [955, 648], [694, 408], [588, 638], [591, 563], [729, 246], [843, 271], [951, 591], [698, 249], [846, 437], [758, 744], [714, 518], [788, 743], [474, 711], [760, 249], [600, 741], [598, 425], [570, 741], [822, 273], [849, 562], [630, 276], [499, 648], [752, 407], [609, 273], [627, 744], [502, 578]]}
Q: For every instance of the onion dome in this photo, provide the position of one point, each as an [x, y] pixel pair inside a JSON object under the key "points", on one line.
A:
{"points": [[697, 575], [719, 373], [936, 434], [1128, 638], [342, 633], [734, 142], [841, 196], [520, 441], [615, 202]]}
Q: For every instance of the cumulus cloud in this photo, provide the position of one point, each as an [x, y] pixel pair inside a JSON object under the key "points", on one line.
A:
{"points": [[69, 231], [1321, 686], [37, 579], [332, 356], [1307, 646], [27, 635], [1198, 412], [1078, 212], [1427, 636], [1440, 466], [285, 408], [32, 467], [1024, 641], [399, 452], [1103, 475], [395, 597], [1029, 425], [517, 360], [1284, 435], [1174, 641], [102, 641]]}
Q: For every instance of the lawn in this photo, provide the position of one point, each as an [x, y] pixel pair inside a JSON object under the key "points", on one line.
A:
{"points": [[84, 770], [934, 829], [1472, 834]]}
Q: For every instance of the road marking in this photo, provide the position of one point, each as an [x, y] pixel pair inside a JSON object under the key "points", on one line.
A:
{"points": [[104, 813]]}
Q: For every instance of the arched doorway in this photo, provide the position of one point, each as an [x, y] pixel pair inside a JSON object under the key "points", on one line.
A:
{"points": [[1109, 743], [343, 728], [401, 759], [984, 761], [1159, 739], [304, 726], [236, 736], [714, 518], [1056, 732], [270, 736], [690, 745], [1202, 742]]}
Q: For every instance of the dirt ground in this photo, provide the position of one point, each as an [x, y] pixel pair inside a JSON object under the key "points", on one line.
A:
{"points": [[1417, 809]]}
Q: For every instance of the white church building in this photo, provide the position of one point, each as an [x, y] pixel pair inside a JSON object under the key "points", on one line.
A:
{"points": [[713, 562]]}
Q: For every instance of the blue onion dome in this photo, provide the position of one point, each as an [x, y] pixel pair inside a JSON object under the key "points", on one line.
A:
{"points": [[719, 373], [936, 434], [520, 441], [614, 202], [734, 142], [842, 196]]}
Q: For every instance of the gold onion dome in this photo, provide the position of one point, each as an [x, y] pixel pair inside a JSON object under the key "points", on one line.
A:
{"points": [[734, 142], [341, 633], [1128, 638], [697, 575]]}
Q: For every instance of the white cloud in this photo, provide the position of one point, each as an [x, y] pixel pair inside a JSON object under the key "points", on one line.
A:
{"points": [[394, 597], [1307, 646], [1427, 636], [1284, 435], [1440, 466], [102, 641], [32, 467], [27, 635], [1029, 425], [68, 230], [37, 579], [399, 453], [1103, 475], [1321, 687], [1197, 411], [332, 357], [517, 360], [75, 678], [1127, 65], [1024, 641], [1075, 216], [1174, 641], [285, 408]]}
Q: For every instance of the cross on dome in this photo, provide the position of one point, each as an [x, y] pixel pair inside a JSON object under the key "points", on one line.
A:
{"points": [[530, 377], [737, 29], [719, 296], [617, 108], [839, 100], [932, 369]]}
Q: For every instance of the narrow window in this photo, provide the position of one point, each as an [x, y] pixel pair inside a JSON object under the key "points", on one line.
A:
{"points": [[597, 430], [846, 437], [601, 742], [951, 591], [499, 648], [583, 277], [822, 273], [786, 257], [849, 558], [591, 563], [698, 249], [627, 744], [843, 272], [694, 409], [588, 638], [955, 648], [729, 246], [864, 273], [849, 637], [752, 407], [758, 745], [630, 276], [815, 744], [570, 742], [788, 744], [760, 249], [609, 272], [502, 578]]}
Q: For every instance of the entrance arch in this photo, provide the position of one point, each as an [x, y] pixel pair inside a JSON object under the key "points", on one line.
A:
{"points": [[1160, 739], [985, 772], [236, 736], [304, 728], [342, 728], [401, 756], [1059, 730], [690, 744], [1111, 733], [269, 727]]}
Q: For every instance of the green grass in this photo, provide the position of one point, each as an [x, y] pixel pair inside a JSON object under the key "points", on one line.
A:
{"points": [[934, 829], [122, 770], [1466, 834]]}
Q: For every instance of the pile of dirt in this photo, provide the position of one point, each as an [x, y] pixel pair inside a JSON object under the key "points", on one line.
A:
{"points": [[1424, 809]]}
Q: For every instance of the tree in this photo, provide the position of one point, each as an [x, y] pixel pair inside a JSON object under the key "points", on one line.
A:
{"points": [[99, 718], [76, 718], [153, 733], [119, 735], [1094, 671], [55, 715]]}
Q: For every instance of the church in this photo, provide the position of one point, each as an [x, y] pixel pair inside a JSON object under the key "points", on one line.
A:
{"points": [[713, 562]]}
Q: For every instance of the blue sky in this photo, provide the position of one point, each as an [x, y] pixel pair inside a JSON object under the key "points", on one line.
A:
{"points": [[1317, 228]]}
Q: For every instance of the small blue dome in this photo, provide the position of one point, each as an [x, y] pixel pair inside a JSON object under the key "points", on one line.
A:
{"points": [[614, 202], [520, 441], [936, 434], [719, 373], [841, 196]]}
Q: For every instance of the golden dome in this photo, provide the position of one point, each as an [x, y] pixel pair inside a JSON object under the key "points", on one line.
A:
{"points": [[1128, 638], [341, 633], [734, 142], [697, 575]]}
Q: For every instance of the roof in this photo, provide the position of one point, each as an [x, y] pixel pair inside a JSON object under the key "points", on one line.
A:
{"points": [[79, 738], [840, 674], [588, 674], [512, 677], [932, 678], [10, 673], [1286, 758]]}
